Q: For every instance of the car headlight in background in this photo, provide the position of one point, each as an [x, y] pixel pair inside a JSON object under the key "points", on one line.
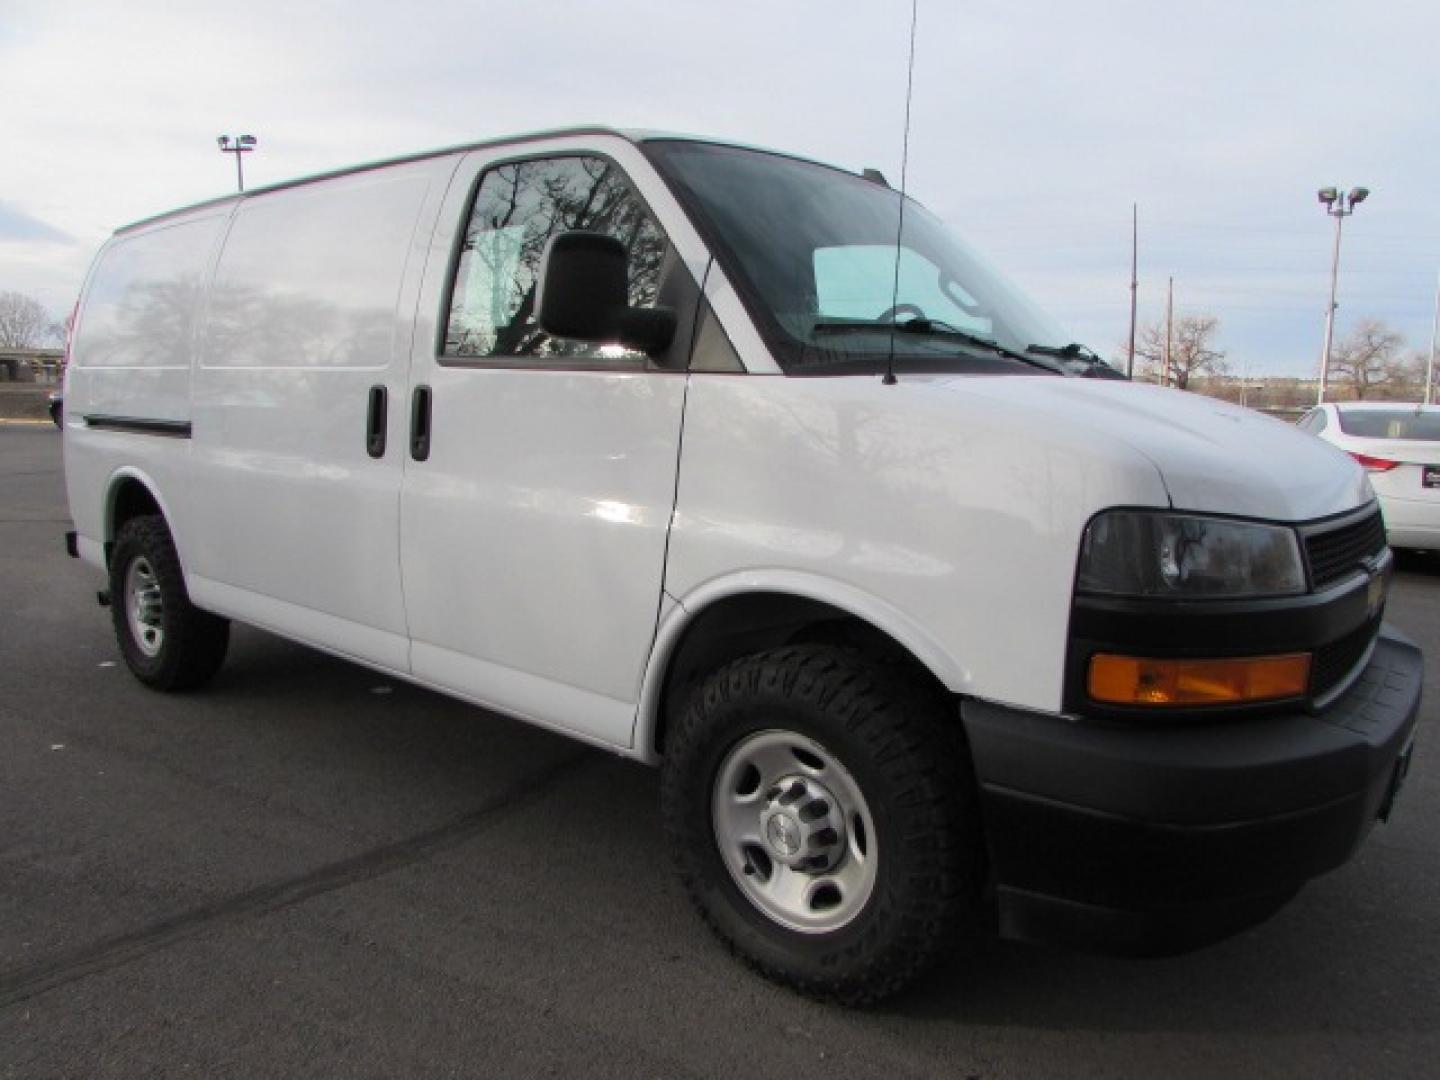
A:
{"points": [[1150, 554]]}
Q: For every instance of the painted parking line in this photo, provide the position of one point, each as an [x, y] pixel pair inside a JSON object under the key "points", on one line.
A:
{"points": [[18, 423]]}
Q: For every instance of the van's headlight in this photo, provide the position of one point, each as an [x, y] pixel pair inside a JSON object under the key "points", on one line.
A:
{"points": [[1154, 554]]}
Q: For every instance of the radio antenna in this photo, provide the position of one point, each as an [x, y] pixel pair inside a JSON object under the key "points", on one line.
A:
{"points": [[889, 379]]}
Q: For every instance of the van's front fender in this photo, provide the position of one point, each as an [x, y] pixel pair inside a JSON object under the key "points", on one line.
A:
{"points": [[680, 614]]}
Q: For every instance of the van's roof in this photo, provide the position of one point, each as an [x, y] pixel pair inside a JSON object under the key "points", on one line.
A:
{"points": [[634, 135]]}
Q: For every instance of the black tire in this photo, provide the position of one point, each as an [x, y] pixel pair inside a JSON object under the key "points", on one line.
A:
{"points": [[900, 742], [190, 644]]}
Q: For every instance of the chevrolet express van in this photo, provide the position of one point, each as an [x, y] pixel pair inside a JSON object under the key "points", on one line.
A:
{"points": [[666, 445]]}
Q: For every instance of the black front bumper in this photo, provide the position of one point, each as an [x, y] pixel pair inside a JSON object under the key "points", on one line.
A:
{"points": [[1161, 839]]}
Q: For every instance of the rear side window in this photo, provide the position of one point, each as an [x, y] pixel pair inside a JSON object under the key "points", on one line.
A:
{"points": [[1391, 424], [310, 277], [139, 308], [1314, 421], [518, 208]]}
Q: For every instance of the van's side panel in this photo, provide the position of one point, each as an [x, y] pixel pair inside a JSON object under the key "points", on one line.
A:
{"points": [[295, 525], [128, 390]]}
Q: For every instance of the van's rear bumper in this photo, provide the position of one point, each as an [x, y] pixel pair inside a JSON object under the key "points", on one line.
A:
{"points": [[1156, 840]]}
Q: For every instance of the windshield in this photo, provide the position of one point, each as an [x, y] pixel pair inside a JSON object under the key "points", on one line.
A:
{"points": [[1391, 423], [812, 251]]}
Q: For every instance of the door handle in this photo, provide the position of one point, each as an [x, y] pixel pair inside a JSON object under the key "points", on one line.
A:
{"points": [[420, 423], [375, 421]]}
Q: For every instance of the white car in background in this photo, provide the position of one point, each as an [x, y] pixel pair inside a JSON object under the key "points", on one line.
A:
{"points": [[1399, 446]]}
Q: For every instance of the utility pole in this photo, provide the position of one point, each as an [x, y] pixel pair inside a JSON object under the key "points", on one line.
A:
{"points": [[1434, 333], [237, 145], [1169, 327], [1134, 284], [1339, 206]]}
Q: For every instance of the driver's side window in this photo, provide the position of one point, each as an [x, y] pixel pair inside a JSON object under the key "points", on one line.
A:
{"points": [[518, 207]]}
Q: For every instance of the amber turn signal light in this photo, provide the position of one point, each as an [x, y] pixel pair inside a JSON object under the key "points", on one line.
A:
{"points": [[1134, 680]]}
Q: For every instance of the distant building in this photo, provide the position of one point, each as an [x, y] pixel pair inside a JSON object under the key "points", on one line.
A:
{"points": [[31, 365]]}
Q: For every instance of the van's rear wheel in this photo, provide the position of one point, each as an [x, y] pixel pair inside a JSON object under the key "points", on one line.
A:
{"points": [[822, 812], [167, 642]]}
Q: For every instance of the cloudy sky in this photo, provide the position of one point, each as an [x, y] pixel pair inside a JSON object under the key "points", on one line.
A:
{"points": [[1036, 124]]}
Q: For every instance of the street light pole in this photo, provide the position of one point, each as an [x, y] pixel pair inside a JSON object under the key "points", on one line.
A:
{"points": [[237, 145], [1330, 308], [1338, 205]]}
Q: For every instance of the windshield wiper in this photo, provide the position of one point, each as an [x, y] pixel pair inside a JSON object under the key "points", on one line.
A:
{"points": [[1073, 351], [935, 328], [1080, 360]]}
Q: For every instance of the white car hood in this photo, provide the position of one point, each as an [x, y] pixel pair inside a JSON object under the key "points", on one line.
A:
{"points": [[1212, 456]]}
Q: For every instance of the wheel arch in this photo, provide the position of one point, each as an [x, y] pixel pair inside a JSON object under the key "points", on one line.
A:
{"points": [[130, 493], [735, 616]]}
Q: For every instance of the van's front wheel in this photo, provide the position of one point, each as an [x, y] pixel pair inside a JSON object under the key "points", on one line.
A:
{"points": [[167, 642], [822, 813]]}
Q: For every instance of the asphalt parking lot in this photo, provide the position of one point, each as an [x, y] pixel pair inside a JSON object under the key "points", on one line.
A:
{"points": [[309, 870]]}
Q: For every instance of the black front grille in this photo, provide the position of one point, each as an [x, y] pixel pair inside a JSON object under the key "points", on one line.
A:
{"points": [[1337, 553], [1336, 660]]}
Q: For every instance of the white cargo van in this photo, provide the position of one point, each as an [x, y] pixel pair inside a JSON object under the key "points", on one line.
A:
{"points": [[665, 445]]}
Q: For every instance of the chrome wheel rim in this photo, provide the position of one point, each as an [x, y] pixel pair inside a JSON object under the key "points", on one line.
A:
{"points": [[795, 831], [144, 607]]}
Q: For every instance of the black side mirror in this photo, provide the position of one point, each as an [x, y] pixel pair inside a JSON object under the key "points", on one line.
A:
{"points": [[585, 294]]}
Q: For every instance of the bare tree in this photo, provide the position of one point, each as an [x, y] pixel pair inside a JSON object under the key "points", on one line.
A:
{"points": [[1192, 350], [1368, 360], [24, 323], [1407, 382]]}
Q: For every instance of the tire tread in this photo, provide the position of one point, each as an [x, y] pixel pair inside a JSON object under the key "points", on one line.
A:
{"points": [[195, 640], [902, 724]]}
